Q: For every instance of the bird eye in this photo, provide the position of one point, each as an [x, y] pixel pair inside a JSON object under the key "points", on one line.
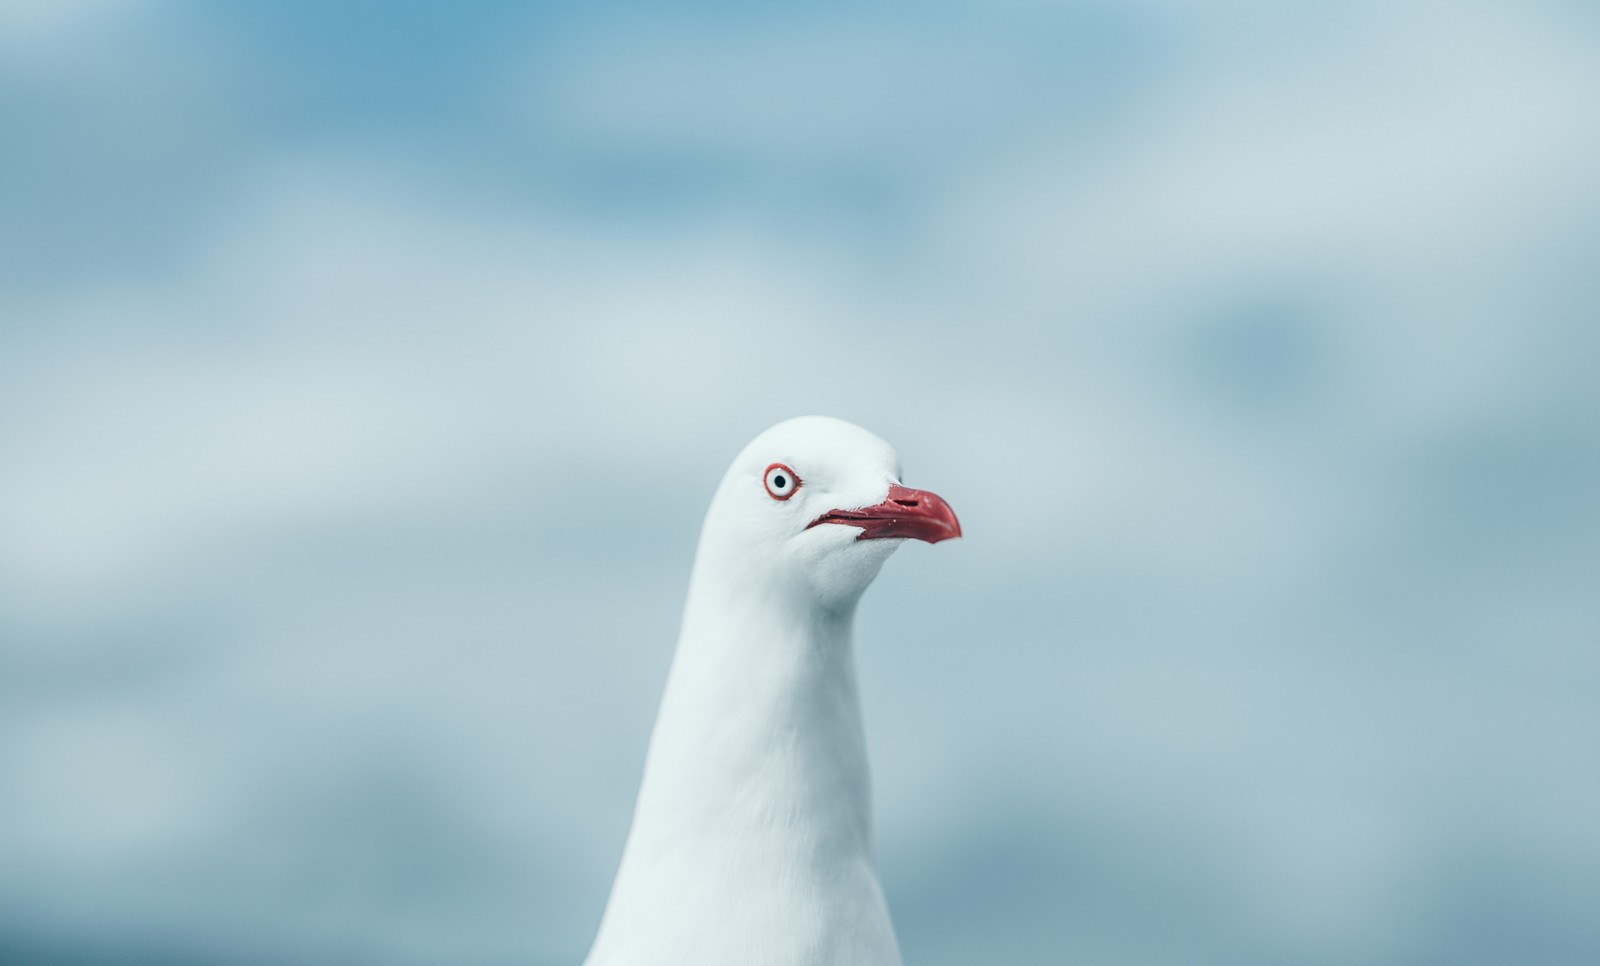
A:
{"points": [[781, 482]]}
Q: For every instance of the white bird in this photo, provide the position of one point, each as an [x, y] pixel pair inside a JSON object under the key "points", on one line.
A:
{"points": [[751, 842]]}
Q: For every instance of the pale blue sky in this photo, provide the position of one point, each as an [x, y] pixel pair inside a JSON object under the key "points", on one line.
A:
{"points": [[364, 375]]}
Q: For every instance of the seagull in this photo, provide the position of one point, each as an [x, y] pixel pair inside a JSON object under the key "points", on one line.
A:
{"points": [[751, 842]]}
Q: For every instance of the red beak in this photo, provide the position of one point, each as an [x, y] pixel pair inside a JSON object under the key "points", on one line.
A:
{"points": [[906, 513]]}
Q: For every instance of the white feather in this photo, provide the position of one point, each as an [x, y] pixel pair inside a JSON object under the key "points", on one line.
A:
{"points": [[751, 842]]}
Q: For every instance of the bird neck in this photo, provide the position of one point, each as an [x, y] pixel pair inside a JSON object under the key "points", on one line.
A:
{"points": [[759, 733], [753, 825]]}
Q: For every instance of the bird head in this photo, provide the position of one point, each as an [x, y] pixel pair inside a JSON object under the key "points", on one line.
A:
{"points": [[813, 507]]}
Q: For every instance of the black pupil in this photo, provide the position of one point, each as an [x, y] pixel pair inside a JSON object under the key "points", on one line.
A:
{"points": [[778, 482]]}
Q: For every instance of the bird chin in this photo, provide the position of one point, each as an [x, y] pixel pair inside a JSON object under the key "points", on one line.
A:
{"points": [[844, 567]]}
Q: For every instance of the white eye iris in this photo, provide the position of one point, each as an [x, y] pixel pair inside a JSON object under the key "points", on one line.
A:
{"points": [[781, 482]]}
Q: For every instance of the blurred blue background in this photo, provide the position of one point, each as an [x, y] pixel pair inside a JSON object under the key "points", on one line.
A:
{"points": [[365, 370]]}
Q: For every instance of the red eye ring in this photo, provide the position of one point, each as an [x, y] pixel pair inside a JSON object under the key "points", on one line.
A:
{"points": [[780, 481]]}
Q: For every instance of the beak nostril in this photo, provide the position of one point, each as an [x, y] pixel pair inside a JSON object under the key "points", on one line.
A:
{"points": [[904, 513]]}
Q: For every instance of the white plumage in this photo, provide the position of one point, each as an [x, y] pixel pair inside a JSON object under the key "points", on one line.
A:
{"points": [[751, 842]]}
